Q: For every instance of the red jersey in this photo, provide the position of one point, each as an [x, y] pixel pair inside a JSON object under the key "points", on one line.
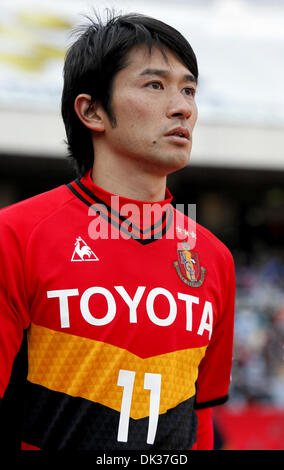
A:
{"points": [[129, 324]]}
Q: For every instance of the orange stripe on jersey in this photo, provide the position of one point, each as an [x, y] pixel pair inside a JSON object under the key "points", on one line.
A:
{"points": [[89, 369]]}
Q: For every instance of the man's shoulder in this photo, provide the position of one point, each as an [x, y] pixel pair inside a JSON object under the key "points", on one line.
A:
{"points": [[212, 240], [202, 238], [25, 214]]}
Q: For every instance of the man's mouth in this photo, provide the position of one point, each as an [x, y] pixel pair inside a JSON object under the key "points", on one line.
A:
{"points": [[181, 132]]}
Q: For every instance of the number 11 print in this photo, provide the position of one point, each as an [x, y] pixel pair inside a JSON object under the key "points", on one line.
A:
{"points": [[152, 382]]}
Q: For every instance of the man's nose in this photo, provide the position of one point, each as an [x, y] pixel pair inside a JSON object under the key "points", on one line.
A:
{"points": [[179, 108]]}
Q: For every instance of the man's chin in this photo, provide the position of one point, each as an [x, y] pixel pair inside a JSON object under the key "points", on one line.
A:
{"points": [[166, 163], [178, 162]]}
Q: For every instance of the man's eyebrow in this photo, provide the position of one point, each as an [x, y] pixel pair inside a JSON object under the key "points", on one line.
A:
{"points": [[188, 77]]}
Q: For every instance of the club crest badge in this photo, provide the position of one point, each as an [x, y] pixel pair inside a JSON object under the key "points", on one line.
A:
{"points": [[188, 266]]}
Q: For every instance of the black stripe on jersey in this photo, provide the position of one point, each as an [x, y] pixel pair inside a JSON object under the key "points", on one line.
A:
{"points": [[208, 404], [117, 214], [56, 421], [143, 241]]}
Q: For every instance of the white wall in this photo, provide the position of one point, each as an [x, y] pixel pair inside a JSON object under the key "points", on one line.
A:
{"points": [[240, 50]]}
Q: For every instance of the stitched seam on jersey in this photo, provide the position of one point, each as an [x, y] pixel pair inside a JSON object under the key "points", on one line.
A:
{"points": [[31, 234]]}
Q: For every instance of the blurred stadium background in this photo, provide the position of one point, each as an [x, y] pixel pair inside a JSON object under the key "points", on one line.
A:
{"points": [[235, 176]]}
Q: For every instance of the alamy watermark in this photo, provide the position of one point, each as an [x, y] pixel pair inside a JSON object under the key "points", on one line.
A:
{"points": [[146, 220]]}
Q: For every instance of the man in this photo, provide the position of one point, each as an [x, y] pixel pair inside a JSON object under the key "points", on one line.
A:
{"points": [[127, 303]]}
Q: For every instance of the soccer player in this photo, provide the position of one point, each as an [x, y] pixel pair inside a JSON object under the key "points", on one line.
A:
{"points": [[126, 302]]}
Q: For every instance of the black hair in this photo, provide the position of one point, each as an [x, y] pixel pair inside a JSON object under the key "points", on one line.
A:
{"points": [[94, 59]]}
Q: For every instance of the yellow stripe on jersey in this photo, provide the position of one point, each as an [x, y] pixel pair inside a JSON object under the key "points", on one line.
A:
{"points": [[85, 368]]}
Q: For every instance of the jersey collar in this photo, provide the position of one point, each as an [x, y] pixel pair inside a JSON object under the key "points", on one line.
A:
{"points": [[142, 220]]}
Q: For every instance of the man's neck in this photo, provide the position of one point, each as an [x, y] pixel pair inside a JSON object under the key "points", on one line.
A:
{"points": [[129, 183]]}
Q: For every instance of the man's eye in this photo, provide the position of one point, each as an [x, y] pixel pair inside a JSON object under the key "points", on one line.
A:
{"points": [[155, 85], [189, 91]]}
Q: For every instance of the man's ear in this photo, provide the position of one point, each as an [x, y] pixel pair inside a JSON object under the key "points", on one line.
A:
{"points": [[90, 114]]}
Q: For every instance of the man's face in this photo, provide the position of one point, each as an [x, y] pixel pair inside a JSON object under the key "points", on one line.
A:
{"points": [[153, 101]]}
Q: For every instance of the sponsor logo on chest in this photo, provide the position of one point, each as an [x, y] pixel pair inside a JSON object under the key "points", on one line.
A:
{"points": [[177, 304]]}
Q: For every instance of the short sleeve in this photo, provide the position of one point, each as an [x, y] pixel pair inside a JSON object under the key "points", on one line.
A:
{"points": [[214, 374], [14, 312]]}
